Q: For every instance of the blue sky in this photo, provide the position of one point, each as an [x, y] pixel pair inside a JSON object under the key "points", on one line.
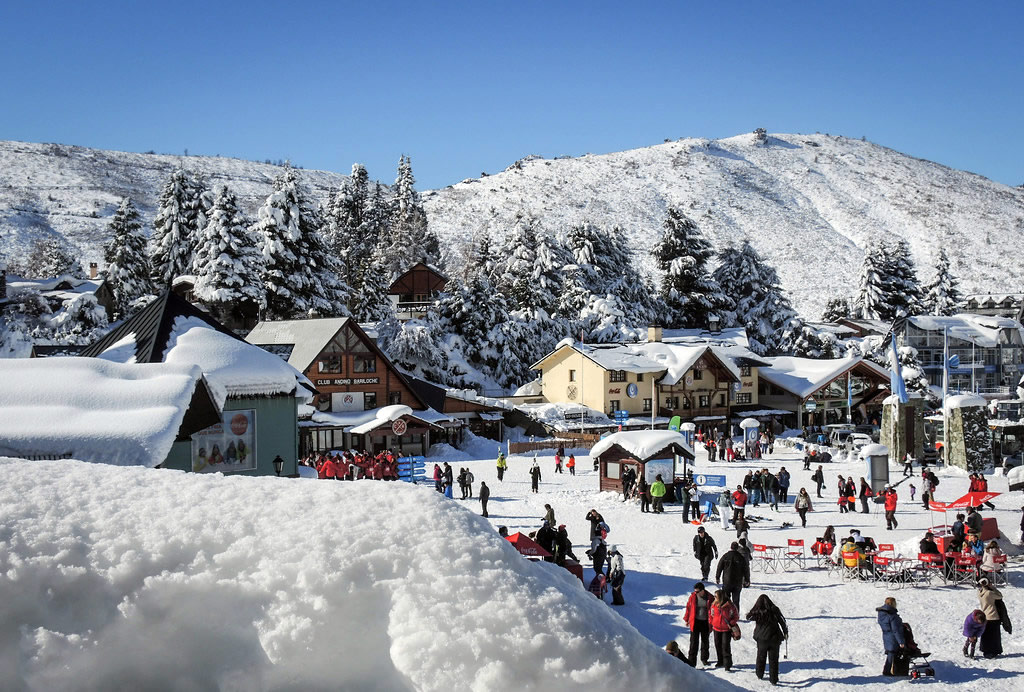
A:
{"points": [[469, 87]]}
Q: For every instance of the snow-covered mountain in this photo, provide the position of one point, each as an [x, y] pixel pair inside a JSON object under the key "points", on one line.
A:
{"points": [[808, 203], [48, 189]]}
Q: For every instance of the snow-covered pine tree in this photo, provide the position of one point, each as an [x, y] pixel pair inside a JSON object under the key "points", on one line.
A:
{"points": [[803, 341], [943, 295], [836, 308], [689, 291], [913, 373], [872, 296], [203, 198], [174, 230], [369, 301], [551, 257], [411, 240], [345, 218], [756, 298], [575, 296], [81, 320], [903, 287], [230, 264], [515, 274], [52, 257], [128, 274], [417, 347], [604, 321], [299, 273]]}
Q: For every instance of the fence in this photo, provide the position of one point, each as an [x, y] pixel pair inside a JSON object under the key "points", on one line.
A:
{"points": [[567, 440]]}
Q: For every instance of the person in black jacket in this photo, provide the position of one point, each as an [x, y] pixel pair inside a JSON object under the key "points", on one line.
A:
{"points": [[733, 573], [704, 549], [534, 476], [563, 547], [485, 495], [769, 633], [928, 544], [819, 479], [546, 539]]}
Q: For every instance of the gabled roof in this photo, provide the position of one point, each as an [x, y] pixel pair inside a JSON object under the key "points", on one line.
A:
{"points": [[427, 279], [802, 377], [644, 445], [309, 337], [172, 330], [98, 411], [306, 337], [983, 330]]}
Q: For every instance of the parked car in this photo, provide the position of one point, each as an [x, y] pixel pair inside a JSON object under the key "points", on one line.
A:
{"points": [[1011, 461], [872, 431], [837, 436], [856, 441]]}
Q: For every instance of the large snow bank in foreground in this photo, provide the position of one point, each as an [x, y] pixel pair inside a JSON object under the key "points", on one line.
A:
{"points": [[130, 578]]}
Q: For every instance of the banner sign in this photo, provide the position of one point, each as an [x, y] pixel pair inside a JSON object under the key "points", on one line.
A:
{"points": [[228, 446], [703, 479]]}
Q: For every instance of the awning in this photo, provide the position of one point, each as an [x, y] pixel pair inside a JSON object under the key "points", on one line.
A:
{"points": [[484, 415], [706, 418], [975, 499]]}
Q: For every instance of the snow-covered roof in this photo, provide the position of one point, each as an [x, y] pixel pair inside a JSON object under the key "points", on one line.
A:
{"points": [[802, 377], [232, 367], [964, 401], [873, 450], [384, 414], [643, 444], [730, 336], [64, 283], [307, 337], [94, 410], [983, 330]]}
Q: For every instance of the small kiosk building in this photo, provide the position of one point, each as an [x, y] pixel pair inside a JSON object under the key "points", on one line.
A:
{"points": [[650, 452]]}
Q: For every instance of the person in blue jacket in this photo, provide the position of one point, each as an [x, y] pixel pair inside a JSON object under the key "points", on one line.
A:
{"points": [[892, 634]]}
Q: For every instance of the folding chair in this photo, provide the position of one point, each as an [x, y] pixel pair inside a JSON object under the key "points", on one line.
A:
{"points": [[965, 569], [795, 555], [883, 571], [887, 548], [930, 565], [998, 575], [763, 560], [846, 571]]}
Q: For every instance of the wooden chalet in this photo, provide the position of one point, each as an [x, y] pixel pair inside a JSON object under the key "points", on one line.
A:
{"points": [[415, 290], [649, 452]]}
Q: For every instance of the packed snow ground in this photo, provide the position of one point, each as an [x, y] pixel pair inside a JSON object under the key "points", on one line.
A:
{"points": [[117, 578], [835, 640]]}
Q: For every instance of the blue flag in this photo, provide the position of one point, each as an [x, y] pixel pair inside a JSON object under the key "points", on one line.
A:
{"points": [[896, 383]]}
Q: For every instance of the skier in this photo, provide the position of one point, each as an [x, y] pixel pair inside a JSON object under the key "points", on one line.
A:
{"points": [[485, 495], [616, 574], [535, 476], [704, 549], [502, 465]]}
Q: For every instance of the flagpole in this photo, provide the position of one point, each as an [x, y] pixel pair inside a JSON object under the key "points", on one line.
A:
{"points": [[945, 392]]}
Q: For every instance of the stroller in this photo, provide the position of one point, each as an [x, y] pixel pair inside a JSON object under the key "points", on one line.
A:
{"points": [[913, 662]]}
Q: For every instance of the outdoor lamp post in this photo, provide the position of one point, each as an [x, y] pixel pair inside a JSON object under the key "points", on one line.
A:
{"points": [[278, 464]]}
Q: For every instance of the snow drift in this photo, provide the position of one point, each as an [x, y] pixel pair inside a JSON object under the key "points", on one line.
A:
{"points": [[131, 578]]}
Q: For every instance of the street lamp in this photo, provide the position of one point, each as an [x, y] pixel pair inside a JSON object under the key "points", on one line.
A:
{"points": [[278, 464]]}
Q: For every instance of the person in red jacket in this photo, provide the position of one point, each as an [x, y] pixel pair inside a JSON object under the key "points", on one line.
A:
{"points": [[890, 508], [343, 467], [723, 616], [329, 469], [739, 502], [696, 616]]}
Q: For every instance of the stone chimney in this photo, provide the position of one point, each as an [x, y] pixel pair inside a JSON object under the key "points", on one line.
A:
{"points": [[713, 323], [653, 333], [93, 270]]}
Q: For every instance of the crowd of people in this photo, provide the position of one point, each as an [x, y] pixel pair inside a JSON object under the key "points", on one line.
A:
{"points": [[353, 466]]}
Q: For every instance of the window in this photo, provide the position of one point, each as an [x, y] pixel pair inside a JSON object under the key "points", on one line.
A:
{"points": [[369, 400], [687, 403], [744, 371], [698, 374], [639, 377], [671, 402], [704, 401], [364, 364], [647, 405], [613, 405], [572, 375], [617, 376], [721, 399], [394, 398], [613, 469], [743, 398], [330, 364]]}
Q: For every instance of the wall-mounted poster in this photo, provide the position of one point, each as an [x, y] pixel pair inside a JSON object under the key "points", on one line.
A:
{"points": [[228, 446]]}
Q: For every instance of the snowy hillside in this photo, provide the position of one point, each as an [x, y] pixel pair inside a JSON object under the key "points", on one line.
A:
{"points": [[74, 191], [131, 578], [808, 203]]}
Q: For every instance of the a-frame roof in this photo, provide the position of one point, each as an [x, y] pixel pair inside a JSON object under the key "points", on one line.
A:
{"points": [[152, 328], [419, 278], [802, 377]]}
